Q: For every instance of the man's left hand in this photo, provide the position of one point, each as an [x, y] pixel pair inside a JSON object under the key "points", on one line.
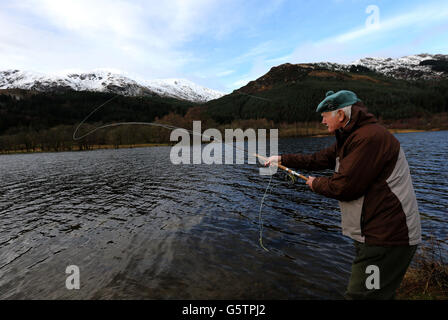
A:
{"points": [[310, 182]]}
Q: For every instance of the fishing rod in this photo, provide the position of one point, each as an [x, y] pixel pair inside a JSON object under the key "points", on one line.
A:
{"points": [[292, 172]]}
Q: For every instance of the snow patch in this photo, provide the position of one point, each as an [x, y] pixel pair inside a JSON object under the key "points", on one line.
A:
{"points": [[104, 80]]}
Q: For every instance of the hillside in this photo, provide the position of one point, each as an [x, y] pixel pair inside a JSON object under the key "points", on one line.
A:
{"points": [[33, 110], [406, 93], [291, 92]]}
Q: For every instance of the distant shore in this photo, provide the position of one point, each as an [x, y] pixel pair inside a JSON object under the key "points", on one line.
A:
{"points": [[390, 130], [283, 133], [410, 130], [91, 148]]}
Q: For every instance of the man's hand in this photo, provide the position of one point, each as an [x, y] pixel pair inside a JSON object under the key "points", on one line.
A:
{"points": [[310, 182], [273, 160]]}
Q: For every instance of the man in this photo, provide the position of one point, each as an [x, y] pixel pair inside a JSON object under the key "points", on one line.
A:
{"points": [[373, 185]]}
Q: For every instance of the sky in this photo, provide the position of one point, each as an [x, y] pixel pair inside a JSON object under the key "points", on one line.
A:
{"points": [[219, 44]]}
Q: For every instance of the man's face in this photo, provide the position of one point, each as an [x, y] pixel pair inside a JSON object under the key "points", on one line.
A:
{"points": [[333, 122]]}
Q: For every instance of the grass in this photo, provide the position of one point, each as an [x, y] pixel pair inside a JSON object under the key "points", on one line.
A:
{"points": [[91, 147], [427, 277]]}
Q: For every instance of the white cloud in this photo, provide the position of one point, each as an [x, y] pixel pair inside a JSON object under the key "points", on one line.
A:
{"points": [[261, 49], [353, 44], [159, 23], [145, 37], [240, 83], [157, 39], [86, 17], [260, 66], [225, 73]]}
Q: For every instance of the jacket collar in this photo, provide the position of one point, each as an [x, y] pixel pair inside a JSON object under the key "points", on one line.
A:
{"points": [[359, 118]]}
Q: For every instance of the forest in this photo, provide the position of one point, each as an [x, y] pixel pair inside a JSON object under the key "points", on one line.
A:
{"points": [[284, 99]]}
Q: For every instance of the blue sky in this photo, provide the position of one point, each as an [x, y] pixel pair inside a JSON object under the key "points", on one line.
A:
{"points": [[218, 44]]}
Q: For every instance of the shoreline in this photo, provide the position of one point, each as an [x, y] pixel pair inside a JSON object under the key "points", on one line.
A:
{"points": [[391, 130], [91, 148], [427, 276], [319, 134]]}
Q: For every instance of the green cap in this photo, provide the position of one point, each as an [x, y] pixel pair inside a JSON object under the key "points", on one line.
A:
{"points": [[334, 101]]}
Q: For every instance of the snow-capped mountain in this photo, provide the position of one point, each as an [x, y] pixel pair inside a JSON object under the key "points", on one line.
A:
{"points": [[106, 81], [182, 89], [413, 67]]}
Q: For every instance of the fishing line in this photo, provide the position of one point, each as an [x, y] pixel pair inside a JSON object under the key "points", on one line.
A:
{"points": [[249, 95], [291, 173], [115, 124], [166, 126], [260, 216]]}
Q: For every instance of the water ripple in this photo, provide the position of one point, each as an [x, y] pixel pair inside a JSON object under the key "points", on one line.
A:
{"points": [[141, 227]]}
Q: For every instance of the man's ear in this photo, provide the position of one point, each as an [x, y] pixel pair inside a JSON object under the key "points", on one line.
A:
{"points": [[341, 115]]}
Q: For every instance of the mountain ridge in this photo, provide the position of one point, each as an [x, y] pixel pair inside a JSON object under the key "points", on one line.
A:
{"points": [[422, 66], [106, 81], [285, 97], [411, 68], [411, 86]]}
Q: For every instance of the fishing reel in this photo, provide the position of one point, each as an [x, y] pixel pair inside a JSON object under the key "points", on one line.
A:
{"points": [[288, 177]]}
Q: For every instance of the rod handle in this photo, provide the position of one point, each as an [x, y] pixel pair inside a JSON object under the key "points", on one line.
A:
{"points": [[283, 167]]}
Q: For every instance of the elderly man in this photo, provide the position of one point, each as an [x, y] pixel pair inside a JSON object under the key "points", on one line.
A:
{"points": [[372, 182]]}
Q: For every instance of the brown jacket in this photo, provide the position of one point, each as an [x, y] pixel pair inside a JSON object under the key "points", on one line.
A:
{"points": [[371, 181]]}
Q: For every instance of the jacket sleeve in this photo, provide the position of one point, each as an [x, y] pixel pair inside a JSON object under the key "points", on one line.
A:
{"points": [[324, 159], [362, 164]]}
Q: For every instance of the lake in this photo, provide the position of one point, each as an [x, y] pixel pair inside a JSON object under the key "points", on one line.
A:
{"points": [[139, 227]]}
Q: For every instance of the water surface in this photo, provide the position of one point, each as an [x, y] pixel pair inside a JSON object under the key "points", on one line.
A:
{"points": [[139, 227]]}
